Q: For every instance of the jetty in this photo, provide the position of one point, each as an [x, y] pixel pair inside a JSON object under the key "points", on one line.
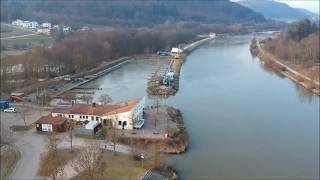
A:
{"points": [[156, 85]]}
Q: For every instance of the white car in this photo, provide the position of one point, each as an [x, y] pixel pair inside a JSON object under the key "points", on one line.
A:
{"points": [[10, 110]]}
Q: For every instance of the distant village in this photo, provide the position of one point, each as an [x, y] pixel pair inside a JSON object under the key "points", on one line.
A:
{"points": [[43, 28]]}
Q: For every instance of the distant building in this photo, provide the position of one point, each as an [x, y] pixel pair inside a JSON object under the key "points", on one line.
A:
{"points": [[66, 29], [127, 115], [46, 25], [212, 35], [17, 22], [45, 31], [175, 51]]}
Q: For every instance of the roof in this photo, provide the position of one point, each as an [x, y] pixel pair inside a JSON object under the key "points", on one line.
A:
{"points": [[50, 120], [125, 107], [98, 110], [92, 124]]}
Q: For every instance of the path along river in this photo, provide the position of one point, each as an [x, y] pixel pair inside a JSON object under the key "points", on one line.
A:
{"points": [[243, 120]]}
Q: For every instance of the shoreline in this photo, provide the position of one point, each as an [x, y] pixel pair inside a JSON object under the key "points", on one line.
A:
{"points": [[176, 142], [269, 60]]}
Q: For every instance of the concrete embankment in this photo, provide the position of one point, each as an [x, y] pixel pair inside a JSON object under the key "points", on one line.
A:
{"points": [[175, 66], [275, 64], [95, 73]]}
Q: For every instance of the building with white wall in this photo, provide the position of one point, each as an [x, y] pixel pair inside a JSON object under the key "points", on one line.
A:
{"points": [[126, 115], [46, 25]]}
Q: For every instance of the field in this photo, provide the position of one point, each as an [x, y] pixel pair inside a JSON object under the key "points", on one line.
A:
{"points": [[15, 41]]}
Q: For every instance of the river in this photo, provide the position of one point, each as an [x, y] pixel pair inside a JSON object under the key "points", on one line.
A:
{"points": [[243, 120]]}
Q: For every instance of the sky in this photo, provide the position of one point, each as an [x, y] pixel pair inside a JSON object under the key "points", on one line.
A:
{"points": [[311, 5]]}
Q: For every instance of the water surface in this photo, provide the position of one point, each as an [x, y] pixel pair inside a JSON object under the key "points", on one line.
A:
{"points": [[243, 120]]}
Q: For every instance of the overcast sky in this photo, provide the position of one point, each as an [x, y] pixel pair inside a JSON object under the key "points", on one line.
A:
{"points": [[311, 5]]}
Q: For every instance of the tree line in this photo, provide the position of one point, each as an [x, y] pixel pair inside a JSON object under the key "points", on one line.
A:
{"points": [[298, 44]]}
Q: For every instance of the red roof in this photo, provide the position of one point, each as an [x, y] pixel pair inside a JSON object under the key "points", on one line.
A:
{"points": [[98, 110], [51, 120]]}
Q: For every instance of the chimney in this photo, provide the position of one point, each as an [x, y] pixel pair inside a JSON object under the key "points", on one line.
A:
{"points": [[94, 104]]}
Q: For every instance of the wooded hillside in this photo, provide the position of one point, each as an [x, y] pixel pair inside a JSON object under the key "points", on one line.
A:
{"points": [[127, 12]]}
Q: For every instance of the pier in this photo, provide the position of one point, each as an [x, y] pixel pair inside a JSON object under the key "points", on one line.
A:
{"points": [[155, 86]]}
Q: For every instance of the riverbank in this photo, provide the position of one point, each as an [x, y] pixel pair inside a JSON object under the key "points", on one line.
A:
{"points": [[271, 61], [170, 132], [155, 84]]}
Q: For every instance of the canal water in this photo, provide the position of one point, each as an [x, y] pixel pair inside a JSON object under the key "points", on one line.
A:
{"points": [[243, 120]]}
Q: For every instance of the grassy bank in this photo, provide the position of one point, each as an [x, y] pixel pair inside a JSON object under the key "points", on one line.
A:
{"points": [[278, 65]]}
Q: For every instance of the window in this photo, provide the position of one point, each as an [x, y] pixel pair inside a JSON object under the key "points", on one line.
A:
{"points": [[72, 116], [119, 123], [80, 117], [87, 117], [69, 116], [124, 123], [97, 118], [92, 118]]}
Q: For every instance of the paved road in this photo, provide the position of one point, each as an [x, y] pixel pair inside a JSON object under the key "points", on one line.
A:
{"points": [[31, 145]]}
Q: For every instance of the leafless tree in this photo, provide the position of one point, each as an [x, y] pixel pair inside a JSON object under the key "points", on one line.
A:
{"points": [[105, 99], [87, 159], [87, 98], [113, 134], [52, 165]]}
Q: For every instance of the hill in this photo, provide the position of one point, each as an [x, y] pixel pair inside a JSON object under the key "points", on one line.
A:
{"points": [[128, 12], [277, 10]]}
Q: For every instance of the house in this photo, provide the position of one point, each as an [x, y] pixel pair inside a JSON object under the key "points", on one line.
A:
{"points": [[66, 29], [17, 22], [51, 124], [126, 115], [46, 25], [45, 31], [212, 35], [175, 51]]}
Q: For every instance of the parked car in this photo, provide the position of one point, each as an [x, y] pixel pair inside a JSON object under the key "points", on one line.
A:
{"points": [[10, 110]]}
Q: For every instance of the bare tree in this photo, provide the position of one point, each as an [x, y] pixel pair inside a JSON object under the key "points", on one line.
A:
{"points": [[105, 99], [24, 113], [87, 159], [52, 164], [113, 134], [70, 133], [87, 98], [70, 96]]}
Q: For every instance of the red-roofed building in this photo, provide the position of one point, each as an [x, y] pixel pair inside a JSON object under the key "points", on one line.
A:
{"points": [[125, 115], [51, 124]]}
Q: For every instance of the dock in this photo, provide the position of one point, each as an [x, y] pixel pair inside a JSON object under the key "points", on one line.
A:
{"points": [[98, 74]]}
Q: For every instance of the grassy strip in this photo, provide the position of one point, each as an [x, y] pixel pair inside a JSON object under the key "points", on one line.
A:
{"points": [[9, 159], [22, 127]]}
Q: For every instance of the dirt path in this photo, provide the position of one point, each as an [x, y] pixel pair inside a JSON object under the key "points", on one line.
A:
{"points": [[287, 67]]}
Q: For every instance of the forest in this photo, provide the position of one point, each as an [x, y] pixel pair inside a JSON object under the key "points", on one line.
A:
{"points": [[127, 13]]}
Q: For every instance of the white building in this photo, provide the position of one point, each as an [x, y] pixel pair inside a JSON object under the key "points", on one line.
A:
{"points": [[175, 51], [127, 115], [46, 31], [17, 22], [46, 25]]}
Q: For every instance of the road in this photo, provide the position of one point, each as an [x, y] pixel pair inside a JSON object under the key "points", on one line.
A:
{"points": [[31, 145]]}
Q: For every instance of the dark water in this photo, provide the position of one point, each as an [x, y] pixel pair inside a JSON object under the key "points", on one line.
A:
{"points": [[243, 120]]}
